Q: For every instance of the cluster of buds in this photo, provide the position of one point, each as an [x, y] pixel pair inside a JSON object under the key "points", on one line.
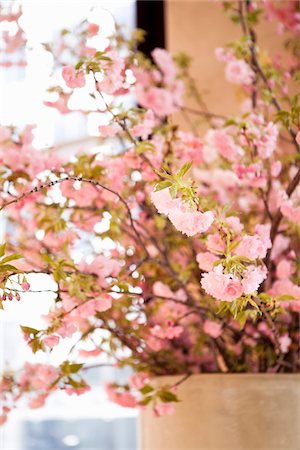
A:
{"points": [[15, 294], [10, 296]]}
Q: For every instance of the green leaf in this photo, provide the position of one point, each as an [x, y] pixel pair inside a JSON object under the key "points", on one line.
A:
{"points": [[184, 169], [144, 146], [36, 345], [79, 65], [174, 191], [74, 383], [68, 368], [146, 400], [224, 307], [146, 389], [74, 368], [64, 32], [253, 303], [2, 249], [162, 185], [163, 174], [11, 258], [264, 296], [167, 396], [242, 318], [8, 268], [285, 297], [29, 330]]}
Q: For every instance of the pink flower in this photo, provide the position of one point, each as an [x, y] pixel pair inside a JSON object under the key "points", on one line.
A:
{"points": [[188, 148], [93, 29], [107, 130], [237, 71], [285, 341], [37, 402], [144, 128], [72, 78], [25, 286], [284, 269], [169, 332], [104, 303], [252, 278], [61, 104], [298, 138], [224, 144], [235, 224], [3, 419], [215, 243], [51, 341], [82, 196], [78, 390], [184, 219], [163, 201], [206, 261], [256, 246], [89, 353], [290, 212], [266, 145], [113, 77], [252, 175], [213, 329], [124, 399], [102, 266], [221, 286], [190, 222], [164, 61], [286, 287], [161, 289], [276, 168], [139, 380], [160, 100], [222, 55]]}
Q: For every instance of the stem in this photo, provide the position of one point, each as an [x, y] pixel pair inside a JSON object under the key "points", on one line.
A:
{"points": [[206, 114]]}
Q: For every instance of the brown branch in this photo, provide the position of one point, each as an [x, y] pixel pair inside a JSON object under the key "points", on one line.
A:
{"points": [[205, 114], [257, 67], [83, 180]]}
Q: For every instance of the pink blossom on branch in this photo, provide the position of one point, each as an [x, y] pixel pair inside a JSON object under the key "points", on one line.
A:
{"points": [[183, 217], [237, 71], [72, 78], [222, 286]]}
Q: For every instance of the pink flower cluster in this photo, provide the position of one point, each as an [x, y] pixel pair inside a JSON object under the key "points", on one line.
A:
{"points": [[255, 246], [73, 78], [237, 71], [159, 90], [183, 217], [229, 287]]}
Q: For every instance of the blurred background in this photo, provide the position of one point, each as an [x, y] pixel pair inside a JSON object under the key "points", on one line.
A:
{"points": [[89, 421]]}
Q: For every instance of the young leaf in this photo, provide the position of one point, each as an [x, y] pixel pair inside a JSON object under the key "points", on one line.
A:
{"points": [[184, 169], [2, 249], [29, 330], [11, 258], [163, 185], [146, 389]]}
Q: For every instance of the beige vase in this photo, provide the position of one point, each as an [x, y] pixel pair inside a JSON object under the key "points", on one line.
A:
{"points": [[228, 412]]}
